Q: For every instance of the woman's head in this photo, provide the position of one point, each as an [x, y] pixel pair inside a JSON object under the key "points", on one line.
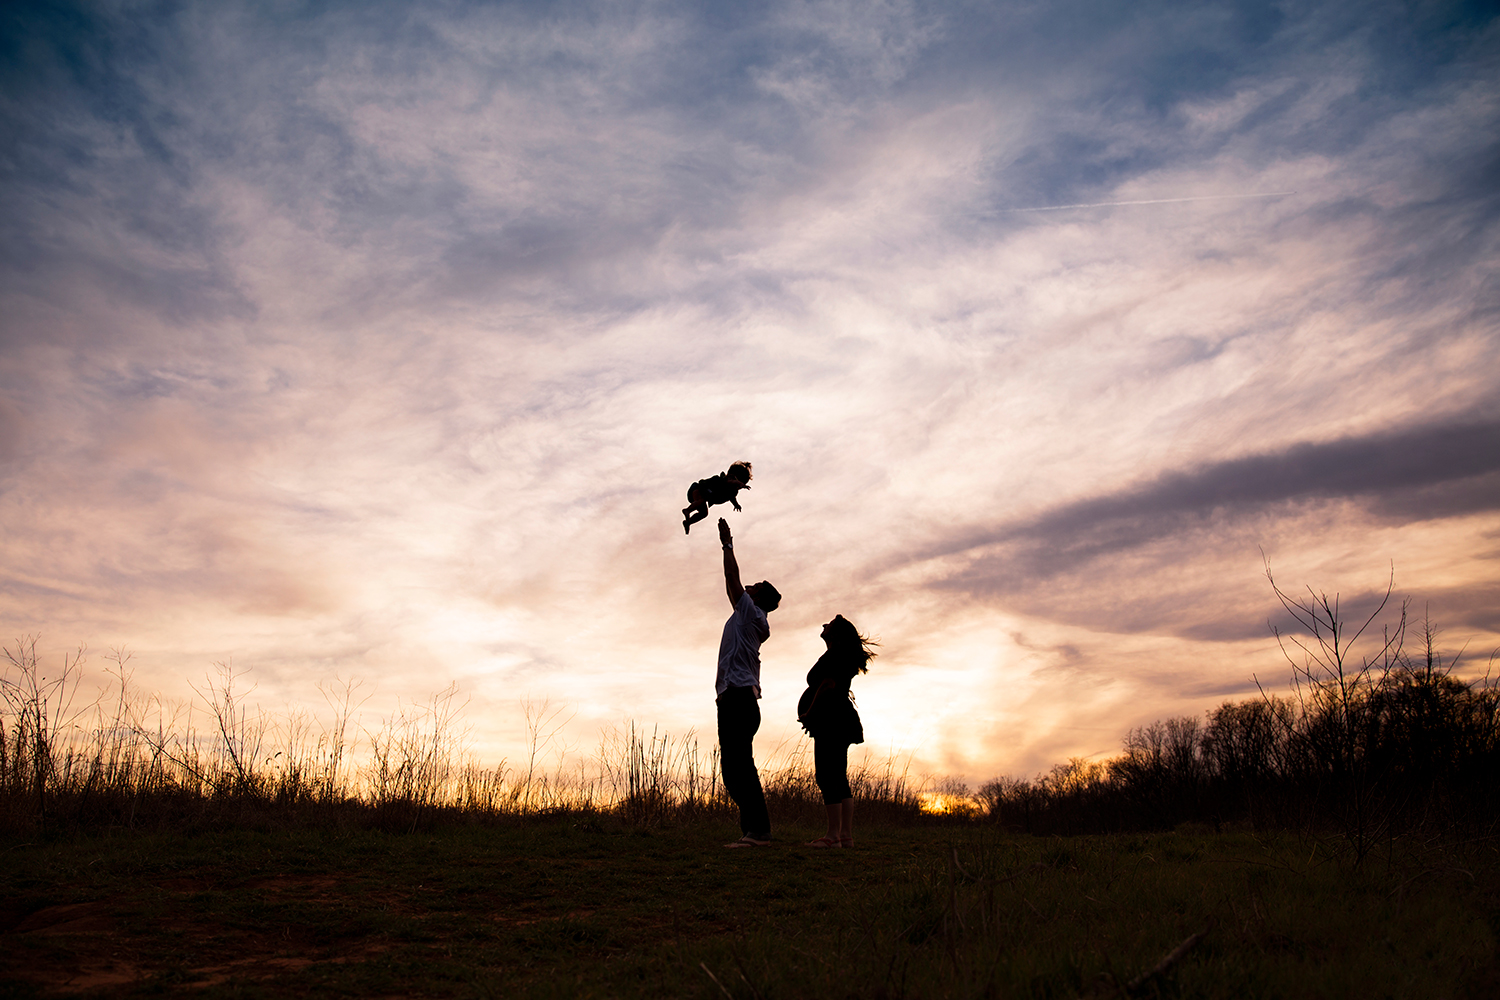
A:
{"points": [[844, 639]]}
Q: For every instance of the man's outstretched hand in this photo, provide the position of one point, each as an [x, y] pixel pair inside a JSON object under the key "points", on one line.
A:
{"points": [[725, 538]]}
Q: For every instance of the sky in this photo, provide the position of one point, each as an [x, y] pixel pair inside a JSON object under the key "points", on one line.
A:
{"points": [[380, 341]]}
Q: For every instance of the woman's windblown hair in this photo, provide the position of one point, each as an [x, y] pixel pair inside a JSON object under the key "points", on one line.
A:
{"points": [[844, 640]]}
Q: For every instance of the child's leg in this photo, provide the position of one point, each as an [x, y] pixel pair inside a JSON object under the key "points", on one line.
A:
{"points": [[695, 511]]}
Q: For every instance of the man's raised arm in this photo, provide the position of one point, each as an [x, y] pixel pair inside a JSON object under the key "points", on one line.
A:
{"points": [[731, 568]]}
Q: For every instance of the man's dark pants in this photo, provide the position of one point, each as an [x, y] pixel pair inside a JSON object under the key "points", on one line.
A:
{"points": [[739, 718]]}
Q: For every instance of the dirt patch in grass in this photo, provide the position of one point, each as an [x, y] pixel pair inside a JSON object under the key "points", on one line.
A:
{"points": [[84, 947], [306, 885], [70, 918], [270, 967]]}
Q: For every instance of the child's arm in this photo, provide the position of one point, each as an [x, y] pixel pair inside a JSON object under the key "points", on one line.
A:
{"points": [[734, 487]]}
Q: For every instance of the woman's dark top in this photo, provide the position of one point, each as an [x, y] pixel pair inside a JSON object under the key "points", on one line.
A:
{"points": [[824, 709]]}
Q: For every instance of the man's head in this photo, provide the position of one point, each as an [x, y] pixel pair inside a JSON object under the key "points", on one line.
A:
{"points": [[765, 596]]}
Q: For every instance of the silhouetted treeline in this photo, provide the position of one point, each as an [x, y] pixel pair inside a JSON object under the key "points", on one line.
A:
{"points": [[1401, 747]]}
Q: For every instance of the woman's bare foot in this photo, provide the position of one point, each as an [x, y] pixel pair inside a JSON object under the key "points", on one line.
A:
{"points": [[824, 842]]}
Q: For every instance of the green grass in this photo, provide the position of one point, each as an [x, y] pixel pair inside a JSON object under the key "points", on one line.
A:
{"points": [[592, 907]]}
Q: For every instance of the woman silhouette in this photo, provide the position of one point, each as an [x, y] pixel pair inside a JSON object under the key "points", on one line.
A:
{"points": [[827, 713]]}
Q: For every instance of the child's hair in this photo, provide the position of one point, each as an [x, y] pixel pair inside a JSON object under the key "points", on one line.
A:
{"points": [[740, 465]]}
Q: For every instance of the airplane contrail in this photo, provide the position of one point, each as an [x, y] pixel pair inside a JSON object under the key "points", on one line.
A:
{"points": [[1147, 201]]}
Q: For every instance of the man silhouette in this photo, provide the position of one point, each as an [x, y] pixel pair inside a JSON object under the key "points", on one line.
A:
{"points": [[738, 689]]}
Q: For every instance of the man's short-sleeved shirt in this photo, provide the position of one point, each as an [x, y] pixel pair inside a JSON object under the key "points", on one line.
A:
{"points": [[739, 650]]}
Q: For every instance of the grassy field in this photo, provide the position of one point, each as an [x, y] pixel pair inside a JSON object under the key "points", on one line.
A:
{"points": [[590, 906], [280, 856]]}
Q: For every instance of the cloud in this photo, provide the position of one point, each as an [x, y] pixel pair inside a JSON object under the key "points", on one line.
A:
{"points": [[1462, 609], [1152, 557], [1444, 470], [386, 338]]}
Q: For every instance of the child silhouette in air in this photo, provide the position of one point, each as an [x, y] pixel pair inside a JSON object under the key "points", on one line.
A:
{"points": [[714, 490]]}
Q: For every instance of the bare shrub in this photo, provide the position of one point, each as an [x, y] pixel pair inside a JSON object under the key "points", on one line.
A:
{"points": [[36, 746]]}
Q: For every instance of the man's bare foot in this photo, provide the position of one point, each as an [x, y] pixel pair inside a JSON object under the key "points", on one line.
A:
{"points": [[748, 841]]}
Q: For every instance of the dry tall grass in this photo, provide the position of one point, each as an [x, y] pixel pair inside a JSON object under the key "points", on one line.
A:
{"points": [[127, 760]]}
